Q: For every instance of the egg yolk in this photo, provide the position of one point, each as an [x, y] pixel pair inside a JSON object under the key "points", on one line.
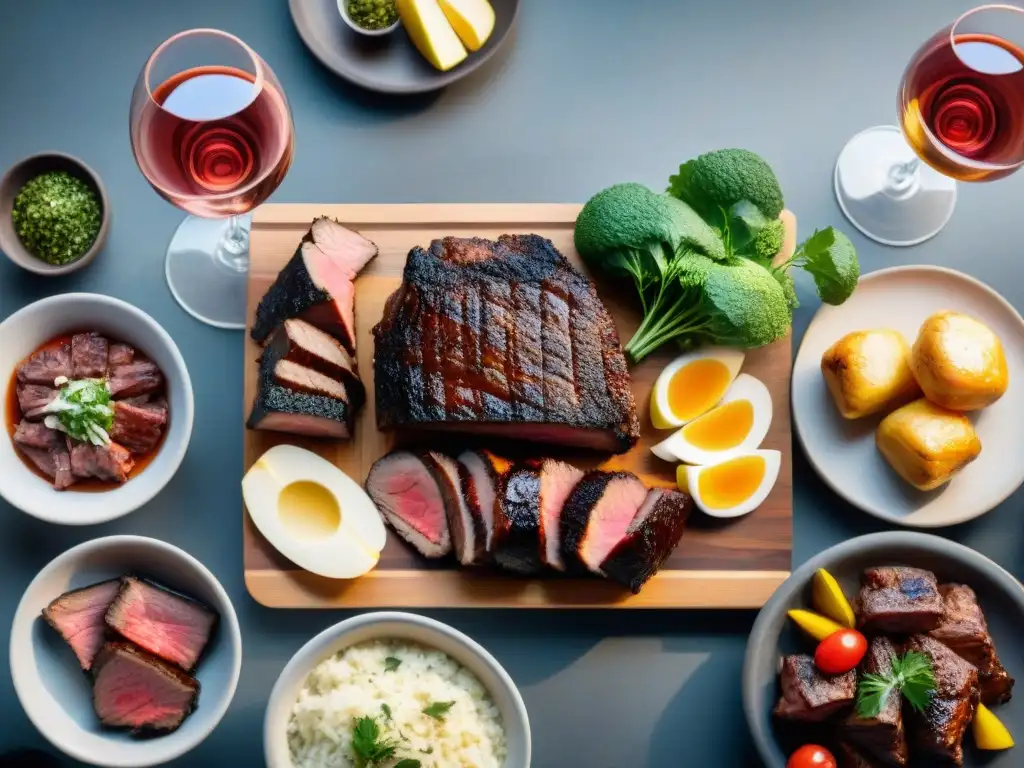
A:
{"points": [[723, 428], [695, 388], [730, 483], [308, 510]]}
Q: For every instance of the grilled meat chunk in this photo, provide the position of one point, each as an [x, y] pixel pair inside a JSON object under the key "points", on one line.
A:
{"points": [[89, 356], [557, 479], [140, 377], [468, 534], [119, 354], [939, 730], [898, 600], [597, 515], [810, 696], [164, 623], [483, 471], [46, 365], [137, 428], [405, 488], [299, 342], [517, 545], [105, 462], [54, 462], [77, 616], [33, 398], [651, 537], [503, 338], [881, 737], [965, 632], [34, 434], [135, 690]]}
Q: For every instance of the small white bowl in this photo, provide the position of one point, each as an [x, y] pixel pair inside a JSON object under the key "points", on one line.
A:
{"points": [[55, 693], [404, 626], [343, 10], [31, 327]]}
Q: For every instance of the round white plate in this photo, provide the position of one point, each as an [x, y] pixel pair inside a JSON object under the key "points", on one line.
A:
{"points": [[844, 453]]}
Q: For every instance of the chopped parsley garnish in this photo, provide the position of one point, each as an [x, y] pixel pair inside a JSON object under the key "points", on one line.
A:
{"points": [[369, 746], [438, 709], [408, 762], [911, 675], [391, 664], [386, 710], [57, 217], [83, 410]]}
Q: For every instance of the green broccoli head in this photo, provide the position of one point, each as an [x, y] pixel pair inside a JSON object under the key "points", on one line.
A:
{"points": [[768, 241], [720, 179], [745, 305], [625, 215]]}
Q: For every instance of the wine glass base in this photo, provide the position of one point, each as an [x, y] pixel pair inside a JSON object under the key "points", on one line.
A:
{"points": [[208, 286], [873, 205]]}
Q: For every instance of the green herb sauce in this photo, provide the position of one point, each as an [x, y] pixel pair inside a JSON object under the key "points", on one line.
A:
{"points": [[373, 14], [57, 217]]}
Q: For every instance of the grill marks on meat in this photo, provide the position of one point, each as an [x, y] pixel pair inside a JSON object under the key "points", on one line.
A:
{"points": [[138, 691], [810, 696], [299, 342], [33, 398], [651, 537], [516, 543], [77, 616], [882, 737], [406, 489], [104, 462], [506, 338], [898, 600], [597, 515], [939, 730], [89, 356], [46, 365], [557, 479], [140, 377], [137, 428], [164, 623], [964, 631]]}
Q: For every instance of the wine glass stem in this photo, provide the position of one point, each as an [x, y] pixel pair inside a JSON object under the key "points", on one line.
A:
{"points": [[233, 248], [903, 176]]}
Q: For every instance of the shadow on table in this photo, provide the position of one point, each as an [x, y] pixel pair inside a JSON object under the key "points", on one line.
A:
{"points": [[31, 758]]}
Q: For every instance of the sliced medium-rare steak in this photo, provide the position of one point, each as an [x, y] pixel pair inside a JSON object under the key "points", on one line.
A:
{"points": [[299, 342], [596, 516], [883, 736], [33, 398], [89, 356], [78, 618], [134, 689], [409, 498], [316, 285], [119, 354], [104, 462], [483, 471], [469, 537], [137, 428], [140, 377], [503, 338], [898, 600], [174, 627], [516, 542], [651, 537], [557, 479], [939, 730], [808, 694], [46, 365]]}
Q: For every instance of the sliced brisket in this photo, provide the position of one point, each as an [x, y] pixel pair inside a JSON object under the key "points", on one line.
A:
{"points": [[405, 488], [137, 428], [169, 625], [105, 462], [557, 479], [78, 618], [483, 471], [810, 696], [503, 338], [88, 356], [135, 690], [596, 516], [469, 536], [516, 542], [883, 736], [46, 365], [140, 377], [299, 342], [898, 600]]}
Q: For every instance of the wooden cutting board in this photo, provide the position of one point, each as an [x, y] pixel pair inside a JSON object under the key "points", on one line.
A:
{"points": [[718, 564]]}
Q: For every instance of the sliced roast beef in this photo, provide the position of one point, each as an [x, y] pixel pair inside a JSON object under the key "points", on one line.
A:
{"points": [[88, 356], [898, 600], [597, 515], [78, 618], [651, 537], [809, 695], [406, 492], [483, 472], [46, 365], [33, 398], [517, 544], [883, 736], [54, 462], [316, 285], [136, 378], [299, 342], [939, 730], [502, 338], [137, 428], [119, 354], [467, 528], [557, 479], [964, 631], [105, 462], [169, 625], [136, 690], [34, 434]]}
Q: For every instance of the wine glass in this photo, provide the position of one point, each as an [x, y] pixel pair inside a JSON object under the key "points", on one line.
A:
{"points": [[212, 133], [961, 107]]}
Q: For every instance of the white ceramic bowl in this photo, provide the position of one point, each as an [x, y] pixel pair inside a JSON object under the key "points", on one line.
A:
{"points": [[343, 10], [28, 329], [404, 626], [57, 696]]}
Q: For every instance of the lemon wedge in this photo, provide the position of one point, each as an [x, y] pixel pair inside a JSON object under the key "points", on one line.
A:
{"points": [[817, 626], [989, 732], [827, 598], [472, 20]]}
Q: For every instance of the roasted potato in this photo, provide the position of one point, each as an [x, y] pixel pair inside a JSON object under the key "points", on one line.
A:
{"points": [[869, 372]]}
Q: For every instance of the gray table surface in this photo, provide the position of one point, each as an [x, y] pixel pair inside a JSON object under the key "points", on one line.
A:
{"points": [[588, 93]]}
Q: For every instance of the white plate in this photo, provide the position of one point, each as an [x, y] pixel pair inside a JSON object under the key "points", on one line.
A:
{"points": [[844, 453]]}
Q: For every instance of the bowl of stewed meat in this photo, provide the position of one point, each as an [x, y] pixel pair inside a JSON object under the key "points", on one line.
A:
{"points": [[97, 408]]}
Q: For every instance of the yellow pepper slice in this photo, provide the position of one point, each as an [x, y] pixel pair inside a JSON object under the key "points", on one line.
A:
{"points": [[814, 624], [989, 732], [827, 598]]}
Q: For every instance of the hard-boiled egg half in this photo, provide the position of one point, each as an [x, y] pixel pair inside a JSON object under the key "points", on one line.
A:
{"points": [[693, 384], [313, 513], [738, 424], [732, 487]]}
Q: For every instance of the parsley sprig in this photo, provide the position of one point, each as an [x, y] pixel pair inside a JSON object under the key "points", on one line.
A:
{"points": [[369, 745], [911, 675]]}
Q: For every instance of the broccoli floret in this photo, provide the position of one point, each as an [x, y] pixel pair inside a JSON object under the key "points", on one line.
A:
{"points": [[768, 241], [624, 216], [745, 305], [722, 178], [785, 279]]}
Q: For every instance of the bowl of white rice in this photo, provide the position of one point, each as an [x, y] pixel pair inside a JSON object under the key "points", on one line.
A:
{"points": [[395, 690]]}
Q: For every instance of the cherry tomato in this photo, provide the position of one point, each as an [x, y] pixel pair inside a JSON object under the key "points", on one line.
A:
{"points": [[840, 652], [812, 756]]}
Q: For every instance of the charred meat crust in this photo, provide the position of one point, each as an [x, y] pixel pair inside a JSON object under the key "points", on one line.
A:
{"points": [[284, 347], [649, 541], [898, 600], [882, 737], [810, 696], [576, 514], [517, 520], [292, 293]]}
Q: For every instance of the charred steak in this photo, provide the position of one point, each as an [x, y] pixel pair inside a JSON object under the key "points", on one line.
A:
{"points": [[883, 736], [482, 472], [503, 338], [517, 545], [597, 515], [469, 536], [299, 342], [557, 479], [810, 696], [406, 488], [898, 600], [78, 618]]}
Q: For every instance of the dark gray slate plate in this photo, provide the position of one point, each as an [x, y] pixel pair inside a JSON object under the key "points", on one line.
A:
{"points": [[1000, 594], [388, 64]]}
